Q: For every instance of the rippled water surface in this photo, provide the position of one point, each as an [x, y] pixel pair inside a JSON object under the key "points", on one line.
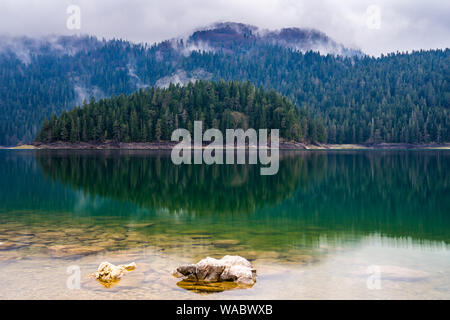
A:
{"points": [[330, 225]]}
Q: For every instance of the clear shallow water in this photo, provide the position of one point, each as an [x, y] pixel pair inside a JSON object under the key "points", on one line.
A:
{"points": [[320, 228]]}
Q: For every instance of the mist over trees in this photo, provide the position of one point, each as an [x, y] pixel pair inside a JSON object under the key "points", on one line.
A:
{"points": [[400, 97]]}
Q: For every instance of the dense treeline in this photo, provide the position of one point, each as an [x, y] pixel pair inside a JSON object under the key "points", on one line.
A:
{"points": [[27, 94], [153, 114], [34, 85], [402, 97], [396, 98]]}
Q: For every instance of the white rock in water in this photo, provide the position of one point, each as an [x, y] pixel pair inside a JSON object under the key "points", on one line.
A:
{"points": [[229, 268], [107, 272]]}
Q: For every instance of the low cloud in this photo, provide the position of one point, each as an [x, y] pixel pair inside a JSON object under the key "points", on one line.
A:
{"points": [[404, 24]]}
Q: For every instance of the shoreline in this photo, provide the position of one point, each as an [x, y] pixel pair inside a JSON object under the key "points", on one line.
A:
{"points": [[168, 145]]}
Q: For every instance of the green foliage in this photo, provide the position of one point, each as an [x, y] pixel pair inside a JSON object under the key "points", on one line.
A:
{"points": [[395, 98], [153, 114], [401, 97]]}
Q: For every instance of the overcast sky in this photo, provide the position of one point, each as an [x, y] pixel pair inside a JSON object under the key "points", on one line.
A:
{"points": [[375, 26]]}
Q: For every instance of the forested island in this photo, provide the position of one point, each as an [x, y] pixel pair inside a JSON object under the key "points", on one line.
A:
{"points": [[152, 115]]}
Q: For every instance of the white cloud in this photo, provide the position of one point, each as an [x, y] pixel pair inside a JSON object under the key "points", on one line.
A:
{"points": [[405, 24]]}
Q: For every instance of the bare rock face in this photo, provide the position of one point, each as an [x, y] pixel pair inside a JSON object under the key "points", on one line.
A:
{"points": [[229, 268], [109, 274]]}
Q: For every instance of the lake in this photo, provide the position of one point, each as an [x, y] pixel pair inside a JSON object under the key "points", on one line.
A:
{"points": [[329, 225]]}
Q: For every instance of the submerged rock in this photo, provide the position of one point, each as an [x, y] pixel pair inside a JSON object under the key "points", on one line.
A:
{"points": [[109, 274], [8, 245], [139, 225], [225, 243], [204, 287], [65, 251], [230, 268]]}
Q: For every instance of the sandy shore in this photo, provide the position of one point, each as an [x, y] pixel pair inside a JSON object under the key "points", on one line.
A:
{"points": [[168, 145]]}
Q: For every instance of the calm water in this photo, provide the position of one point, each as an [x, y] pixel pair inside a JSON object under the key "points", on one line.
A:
{"points": [[367, 225]]}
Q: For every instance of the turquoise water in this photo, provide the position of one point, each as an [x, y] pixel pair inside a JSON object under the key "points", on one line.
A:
{"points": [[344, 224]]}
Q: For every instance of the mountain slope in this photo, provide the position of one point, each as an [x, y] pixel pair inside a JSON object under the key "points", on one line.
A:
{"points": [[230, 35], [395, 98]]}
